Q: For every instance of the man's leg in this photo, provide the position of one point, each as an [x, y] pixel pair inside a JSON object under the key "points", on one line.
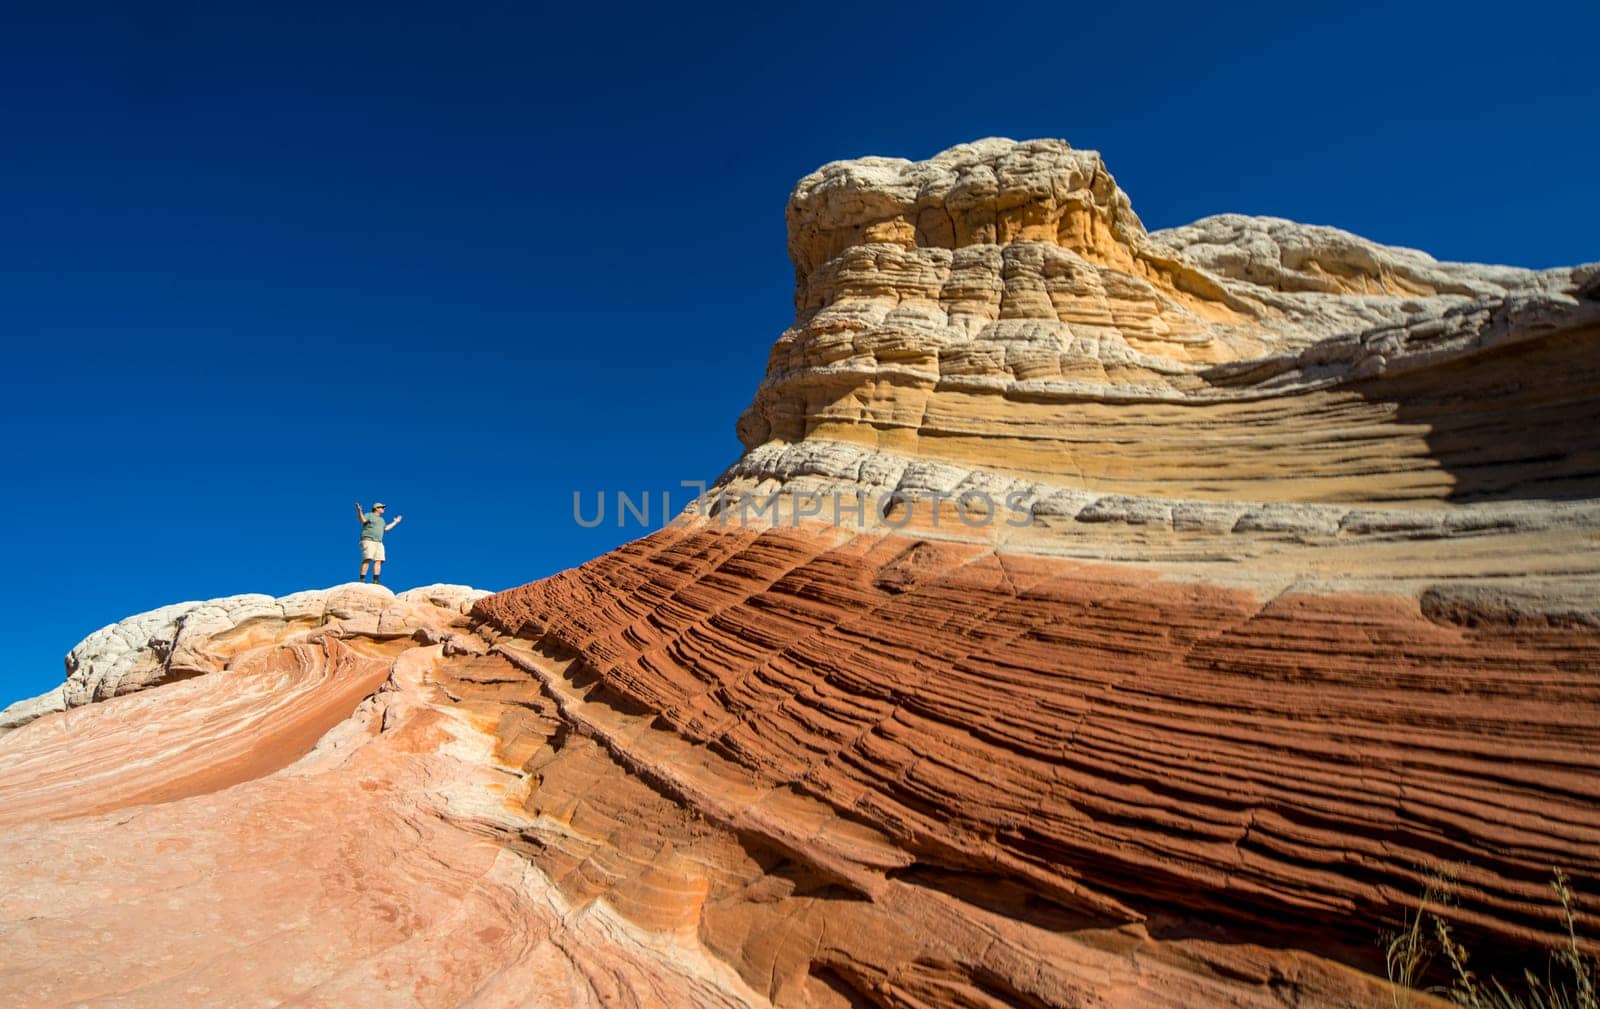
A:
{"points": [[363, 576], [377, 569]]}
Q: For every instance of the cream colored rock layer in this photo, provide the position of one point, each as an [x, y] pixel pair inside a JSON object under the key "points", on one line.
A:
{"points": [[1508, 556], [1001, 306], [190, 639]]}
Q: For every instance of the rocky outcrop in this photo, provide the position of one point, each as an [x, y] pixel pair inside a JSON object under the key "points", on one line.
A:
{"points": [[1096, 618], [191, 639], [1001, 308]]}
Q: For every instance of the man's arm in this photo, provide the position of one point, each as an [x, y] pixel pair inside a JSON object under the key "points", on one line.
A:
{"points": [[396, 522], [360, 515]]}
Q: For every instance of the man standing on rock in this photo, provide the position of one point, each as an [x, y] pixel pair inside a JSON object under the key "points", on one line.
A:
{"points": [[372, 530]]}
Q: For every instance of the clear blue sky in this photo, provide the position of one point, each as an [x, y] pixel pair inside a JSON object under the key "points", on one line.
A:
{"points": [[469, 258]]}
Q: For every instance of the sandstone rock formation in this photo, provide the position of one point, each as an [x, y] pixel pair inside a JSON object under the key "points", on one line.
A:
{"points": [[190, 639], [1001, 305], [1210, 591]]}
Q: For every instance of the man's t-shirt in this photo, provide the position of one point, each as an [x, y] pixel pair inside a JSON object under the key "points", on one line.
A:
{"points": [[372, 527]]}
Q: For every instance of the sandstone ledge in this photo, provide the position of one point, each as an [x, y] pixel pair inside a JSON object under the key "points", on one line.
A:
{"points": [[190, 639]]}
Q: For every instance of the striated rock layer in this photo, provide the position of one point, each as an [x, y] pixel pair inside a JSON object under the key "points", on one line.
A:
{"points": [[1124, 619], [308, 827], [1002, 307], [190, 639], [1079, 747]]}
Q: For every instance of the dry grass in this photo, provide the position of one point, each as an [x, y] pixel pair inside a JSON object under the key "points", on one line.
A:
{"points": [[1425, 937]]}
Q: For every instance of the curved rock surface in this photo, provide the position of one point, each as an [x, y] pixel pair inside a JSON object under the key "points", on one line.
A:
{"points": [[1125, 619], [191, 639], [1171, 759], [265, 836]]}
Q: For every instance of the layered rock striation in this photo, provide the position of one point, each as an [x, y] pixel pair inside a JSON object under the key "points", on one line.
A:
{"points": [[1000, 307], [1202, 597], [1087, 747], [190, 639]]}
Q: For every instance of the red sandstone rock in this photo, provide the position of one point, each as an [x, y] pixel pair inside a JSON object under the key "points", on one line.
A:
{"points": [[1122, 748], [1304, 614]]}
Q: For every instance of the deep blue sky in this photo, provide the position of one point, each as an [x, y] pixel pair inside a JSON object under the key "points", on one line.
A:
{"points": [[469, 258]]}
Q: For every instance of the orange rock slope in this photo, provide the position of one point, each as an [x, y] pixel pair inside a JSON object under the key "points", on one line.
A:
{"points": [[1095, 618]]}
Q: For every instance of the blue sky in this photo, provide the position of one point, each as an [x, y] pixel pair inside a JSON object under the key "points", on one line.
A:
{"points": [[258, 263]]}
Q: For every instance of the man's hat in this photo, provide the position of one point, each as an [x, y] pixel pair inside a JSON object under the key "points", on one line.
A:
{"points": [[376, 505]]}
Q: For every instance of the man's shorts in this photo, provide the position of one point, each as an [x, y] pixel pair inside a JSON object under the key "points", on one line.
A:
{"points": [[371, 550]]}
